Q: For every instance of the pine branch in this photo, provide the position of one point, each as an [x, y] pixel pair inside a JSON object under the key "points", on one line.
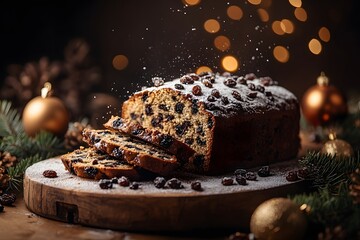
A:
{"points": [[328, 171], [10, 123]]}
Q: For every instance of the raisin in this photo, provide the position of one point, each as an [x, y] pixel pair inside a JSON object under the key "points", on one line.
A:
{"points": [[179, 107], [210, 122], [76, 160], [227, 181], [94, 162], [133, 116], [179, 86], [196, 186], [169, 117], [224, 100], [241, 180], [200, 130], [199, 161], [182, 128], [266, 81], [118, 153], [250, 176], [186, 80], [196, 90], [189, 141], [241, 80], [207, 83], [115, 180], [260, 88], [250, 76], [173, 98], [211, 78], [148, 109], [200, 142], [117, 123], [303, 173], [230, 82], [211, 98], [215, 93], [194, 76], [252, 95], [251, 86], [292, 176], [134, 185], [174, 183], [7, 199], [240, 172], [50, 174], [194, 108], [163, 107], [155, 122], [264, 171], [91, 171], [144, 97], [105, 184], [124, 181], [159, 182], [166, 141], [236, 95], [268, 94]]}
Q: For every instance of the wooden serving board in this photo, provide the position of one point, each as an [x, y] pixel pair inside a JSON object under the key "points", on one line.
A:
{"points": [[76, 200]]}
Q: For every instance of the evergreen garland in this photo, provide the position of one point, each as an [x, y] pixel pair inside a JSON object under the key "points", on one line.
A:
{"points": [[27, 150]]}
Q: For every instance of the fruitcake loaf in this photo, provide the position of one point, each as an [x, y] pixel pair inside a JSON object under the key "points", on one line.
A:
{"points": [[92, 163], [230, 121], [181, 150], [136, 152]]}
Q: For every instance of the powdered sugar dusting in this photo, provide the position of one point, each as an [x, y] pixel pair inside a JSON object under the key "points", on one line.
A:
{"points": [[211, 184]]}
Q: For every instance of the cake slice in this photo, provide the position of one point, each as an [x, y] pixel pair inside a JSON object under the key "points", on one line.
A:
{"points": [[134, 151], [91, 163], [153, 136]]}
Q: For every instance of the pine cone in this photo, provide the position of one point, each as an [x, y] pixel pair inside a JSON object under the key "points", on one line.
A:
{"points": [[336, 233], [6, 160], [73, 136], [355, 186], [4, 180]]}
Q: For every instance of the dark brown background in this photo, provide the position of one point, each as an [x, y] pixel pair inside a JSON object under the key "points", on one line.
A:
{"points": [[31, 29]]}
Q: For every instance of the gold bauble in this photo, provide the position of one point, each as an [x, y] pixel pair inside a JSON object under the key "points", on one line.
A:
{"points": [[45, 113], [337, 147], [322, 103], [278, 218]]}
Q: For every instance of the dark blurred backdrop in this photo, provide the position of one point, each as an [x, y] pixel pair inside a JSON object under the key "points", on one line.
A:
{"points": [[166, 38]]}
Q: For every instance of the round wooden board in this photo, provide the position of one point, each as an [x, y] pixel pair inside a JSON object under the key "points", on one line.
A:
{"points": [[72, 199]]}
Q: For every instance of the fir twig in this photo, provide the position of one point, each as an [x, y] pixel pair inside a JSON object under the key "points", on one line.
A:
{"points": [[10, 123]]}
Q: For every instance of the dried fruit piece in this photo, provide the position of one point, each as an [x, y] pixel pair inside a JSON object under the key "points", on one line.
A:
{"points": [[134, 185], [179, 107], [159, 182], [240, 172], [105, 184], [251, 176], [252, 95], [264, 171], [241, 80], [91, 171], [211, 98], [227, 181], [115, 180], [230, 82], [251, 86], [241, 180], [179, 86], [292, 176], [196, 90], [215, 93], [224, 100], [157, 81], [194, 76], [236, 95], [186, 79], [196, 186], [50, 174], [260, 88], [124, 181], [207, 83], [174, 183], [303, 173]]}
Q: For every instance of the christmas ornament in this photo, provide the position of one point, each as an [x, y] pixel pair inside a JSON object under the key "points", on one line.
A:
{"points": [[278, 218], [355, 186], [45, 113], [73, 136], [322, 103], [337, 147]]}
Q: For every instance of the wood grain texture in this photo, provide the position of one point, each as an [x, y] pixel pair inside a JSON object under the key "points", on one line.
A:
{"points": [[72, 199]]}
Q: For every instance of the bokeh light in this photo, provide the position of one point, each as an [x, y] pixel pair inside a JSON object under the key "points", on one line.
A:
{"points": [[234, 12], [287, 26], [263, 14], [203, 69], [300, 14], [222, 43], [230, 63], [315, 46], [324, 34], [120, 62], [295, 3], [276, 27], [191, 2], [254, 2], [281, 54], [212, 26]]}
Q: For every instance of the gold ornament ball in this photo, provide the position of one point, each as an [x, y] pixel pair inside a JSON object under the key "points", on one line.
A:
{"points": [[45, 113], [278, 218], [322, 103], [337, 147]]}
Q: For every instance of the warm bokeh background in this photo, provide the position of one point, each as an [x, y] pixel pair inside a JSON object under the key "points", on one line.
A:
{"points": [[166, 38]]}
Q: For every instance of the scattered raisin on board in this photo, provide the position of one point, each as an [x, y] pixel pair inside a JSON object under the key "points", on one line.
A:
{"points": [[292, 176], [227, 181], [264, 171], [124, 181], [174, 183], [105, 184], [196, 186], [50, 174], [250, 176], [134, 185], [159, 182], [241, 180]]}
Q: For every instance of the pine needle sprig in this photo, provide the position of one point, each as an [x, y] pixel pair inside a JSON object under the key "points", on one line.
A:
{"points": [[328, 171], [10, 123]]}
